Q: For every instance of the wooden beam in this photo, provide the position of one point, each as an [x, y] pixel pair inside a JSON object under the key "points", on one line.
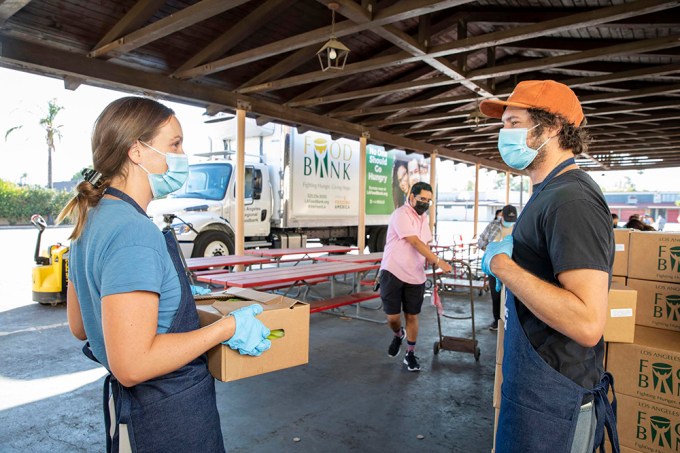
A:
{"points": [[9, 8], [573, 58], [186, 17], [242, 29], [568, 23], [375, 91], [135, 17], [402, 10]]}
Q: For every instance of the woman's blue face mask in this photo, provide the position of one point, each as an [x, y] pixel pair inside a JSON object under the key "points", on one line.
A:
{"points": [[171, 180], [512, 143], [507, 224]]}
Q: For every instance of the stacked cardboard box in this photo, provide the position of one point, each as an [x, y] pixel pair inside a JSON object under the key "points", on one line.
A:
{"points": [[647, 372]]}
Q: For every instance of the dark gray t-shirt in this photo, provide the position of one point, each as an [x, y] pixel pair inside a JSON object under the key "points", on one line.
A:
{"points": [[567, 226]]}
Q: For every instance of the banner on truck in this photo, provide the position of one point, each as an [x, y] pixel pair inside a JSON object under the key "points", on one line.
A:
{"points": [[389, 177], [326, 172]]}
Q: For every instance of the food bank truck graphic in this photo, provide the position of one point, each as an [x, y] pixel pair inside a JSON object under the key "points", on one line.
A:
{"points": [[297, 187]]}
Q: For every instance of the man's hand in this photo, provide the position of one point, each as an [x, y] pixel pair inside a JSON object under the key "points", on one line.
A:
{"points": [[493, 249]]}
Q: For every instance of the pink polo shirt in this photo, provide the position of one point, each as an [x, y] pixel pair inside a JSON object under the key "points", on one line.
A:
{"points": [[400, 257]]}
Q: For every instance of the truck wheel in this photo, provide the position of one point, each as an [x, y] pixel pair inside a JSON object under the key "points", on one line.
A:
{"points": [[381, 238], [213, 243], [372, 239]]}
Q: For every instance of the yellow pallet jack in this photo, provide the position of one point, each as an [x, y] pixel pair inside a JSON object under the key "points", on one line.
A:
{"points": [[50, 273]]}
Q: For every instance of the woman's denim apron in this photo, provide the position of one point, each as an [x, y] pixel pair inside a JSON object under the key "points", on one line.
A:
{"points": [[539, 405], [174, 412]]}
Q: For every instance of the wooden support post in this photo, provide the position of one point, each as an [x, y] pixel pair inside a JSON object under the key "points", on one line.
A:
{"points": [[476, 208], [361, 225], [239, 180]]}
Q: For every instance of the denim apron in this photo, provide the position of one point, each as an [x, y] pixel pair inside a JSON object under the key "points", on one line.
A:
{"points": [[539, 405], [176, 412]]}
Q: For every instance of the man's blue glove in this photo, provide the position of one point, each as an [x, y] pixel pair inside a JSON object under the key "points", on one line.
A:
{"points": [[493, 249], [251, 335]]}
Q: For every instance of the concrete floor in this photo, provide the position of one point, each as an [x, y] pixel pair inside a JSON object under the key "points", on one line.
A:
{"points": [[350, 397]]}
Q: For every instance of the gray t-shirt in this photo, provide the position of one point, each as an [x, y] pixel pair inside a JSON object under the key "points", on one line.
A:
{"points": [[567, 226]]}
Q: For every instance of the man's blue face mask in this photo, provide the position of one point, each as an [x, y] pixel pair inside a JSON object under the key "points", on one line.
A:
{"points": [[507, 224], [512, 143]]}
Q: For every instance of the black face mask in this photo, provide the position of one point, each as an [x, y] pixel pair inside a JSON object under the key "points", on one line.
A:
{"points": [[421, 207]]}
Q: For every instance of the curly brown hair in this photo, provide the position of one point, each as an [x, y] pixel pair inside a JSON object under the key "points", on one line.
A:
{"points": [[571, 137]]}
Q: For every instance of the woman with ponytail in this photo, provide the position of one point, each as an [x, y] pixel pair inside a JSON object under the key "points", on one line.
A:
{"points": [[129, 296]]}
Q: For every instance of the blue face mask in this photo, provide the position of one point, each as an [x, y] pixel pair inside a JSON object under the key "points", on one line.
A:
{"points": [[512, 143], [507, 224], [171, 180]]}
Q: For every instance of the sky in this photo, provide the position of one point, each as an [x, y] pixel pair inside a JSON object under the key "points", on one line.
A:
{"points": [[24, 102]]}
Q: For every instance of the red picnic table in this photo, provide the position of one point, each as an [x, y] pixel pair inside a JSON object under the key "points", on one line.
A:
{"points": [[374, 257], [291, 275], [277, 254], [224, 261]]}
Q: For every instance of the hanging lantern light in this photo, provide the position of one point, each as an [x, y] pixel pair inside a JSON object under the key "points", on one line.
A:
{"points": [[333, 54]]}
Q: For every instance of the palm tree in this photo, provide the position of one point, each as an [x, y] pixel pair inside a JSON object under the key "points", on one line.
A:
{"points": [[51, 132]]}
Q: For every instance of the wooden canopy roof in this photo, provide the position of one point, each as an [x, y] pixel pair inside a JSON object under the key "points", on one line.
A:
{"points": [[414, 77]]}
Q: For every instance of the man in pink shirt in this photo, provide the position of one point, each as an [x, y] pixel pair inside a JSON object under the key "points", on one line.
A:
{"points": [[402, 280]]}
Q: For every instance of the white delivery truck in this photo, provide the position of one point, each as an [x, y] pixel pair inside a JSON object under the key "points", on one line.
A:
{"points": [[297, 187]]}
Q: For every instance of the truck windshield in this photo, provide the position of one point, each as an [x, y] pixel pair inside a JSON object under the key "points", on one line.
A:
{"points": [[208, 181]]}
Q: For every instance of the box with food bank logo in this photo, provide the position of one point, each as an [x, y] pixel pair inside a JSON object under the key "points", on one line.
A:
{"points": [[649, 368], [658, 304], [654, 256], [287, 318], [647, 426]]}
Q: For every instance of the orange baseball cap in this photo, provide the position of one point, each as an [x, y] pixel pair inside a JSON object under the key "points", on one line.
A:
{"points": [[548, 95]]}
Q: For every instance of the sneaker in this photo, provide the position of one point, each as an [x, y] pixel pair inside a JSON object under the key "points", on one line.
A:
{"points": [[494, 326], [395, 346], [411, 361]]}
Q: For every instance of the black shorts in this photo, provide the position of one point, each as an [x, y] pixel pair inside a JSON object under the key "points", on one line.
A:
{"points": [[397, 295]]}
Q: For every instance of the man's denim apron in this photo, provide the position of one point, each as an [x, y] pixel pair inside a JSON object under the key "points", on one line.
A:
{"points": [[539, 405], [174, 412]]}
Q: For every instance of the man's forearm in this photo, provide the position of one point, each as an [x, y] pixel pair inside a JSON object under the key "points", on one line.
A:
{"points": [[557, 307]]}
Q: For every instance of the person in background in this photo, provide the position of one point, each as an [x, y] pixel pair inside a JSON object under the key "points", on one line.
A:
{"points": [[496, 231], [660, 222], [639, 225], [129, 295], [402, 271], [630, 219], [556, 267], [615, 220]]}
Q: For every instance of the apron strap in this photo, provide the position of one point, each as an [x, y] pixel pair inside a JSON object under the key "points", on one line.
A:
{"points": [[107, 414], [606, 413]]}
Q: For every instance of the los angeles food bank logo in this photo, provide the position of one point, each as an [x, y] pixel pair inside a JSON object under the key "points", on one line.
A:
{"points": [[668, 258], [657, 430], [667, 307], [326, 158], [662, 378]]}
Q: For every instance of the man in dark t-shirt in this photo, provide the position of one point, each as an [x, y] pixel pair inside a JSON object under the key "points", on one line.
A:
{"points": [[556, 267]]}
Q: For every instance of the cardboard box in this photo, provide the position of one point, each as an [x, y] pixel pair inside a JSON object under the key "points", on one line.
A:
{"points": [[658, 304], [619, 279], [621, 305], [647, 426], [279, 312], [654, 256], [648, 369], [621, 239], [497, 381]]}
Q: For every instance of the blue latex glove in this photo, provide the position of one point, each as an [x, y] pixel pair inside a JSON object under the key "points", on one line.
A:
{"points": [[251, 335], [493, 249], [199, 290]]}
